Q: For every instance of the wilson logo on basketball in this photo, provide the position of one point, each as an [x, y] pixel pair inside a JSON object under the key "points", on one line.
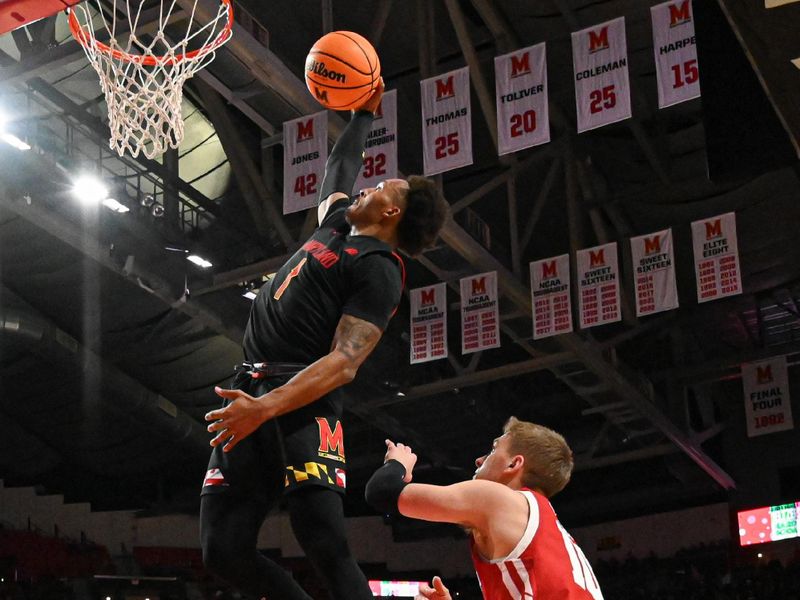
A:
{"points": [[319, 68]]}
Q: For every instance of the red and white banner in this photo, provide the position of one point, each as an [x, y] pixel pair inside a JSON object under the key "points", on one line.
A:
{"points": [[602, 88], [598, 285], [446, 122], [521, 94], [305, 152], [653, 257], [380, 153], [550, 295], [767, 403], [428, 323], [480, 323], [716, 257], [675, 48]]}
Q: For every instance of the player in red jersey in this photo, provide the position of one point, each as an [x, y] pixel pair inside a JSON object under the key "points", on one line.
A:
{"points": [[519, 548]]}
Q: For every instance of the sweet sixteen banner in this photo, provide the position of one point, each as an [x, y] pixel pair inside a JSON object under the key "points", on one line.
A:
{"points": [[598, 285]]}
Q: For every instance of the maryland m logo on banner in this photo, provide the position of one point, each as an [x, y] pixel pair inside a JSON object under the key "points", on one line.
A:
{"points": [[446, 122], [675, 49], [767, 403], [305, 151]]}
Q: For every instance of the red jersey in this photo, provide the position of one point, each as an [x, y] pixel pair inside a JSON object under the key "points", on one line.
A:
{"points": [[546, 564]]}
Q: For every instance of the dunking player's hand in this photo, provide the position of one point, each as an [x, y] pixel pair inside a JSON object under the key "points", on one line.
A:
{"points": [[437, 592], [237, 420], [372, 103]]}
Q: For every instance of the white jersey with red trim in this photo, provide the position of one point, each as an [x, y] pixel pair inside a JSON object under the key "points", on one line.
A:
{"points": [[546, 564]]}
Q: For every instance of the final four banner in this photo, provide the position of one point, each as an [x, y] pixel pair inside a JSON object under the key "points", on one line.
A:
{"points": [[446, 122], [716, 257], [428, 323], [550, 294], [305, 151], [676, 52], [380, 154], [480, 324], [521, 88], [602, 88], [598, 285], [767, 403], [654, 272]]}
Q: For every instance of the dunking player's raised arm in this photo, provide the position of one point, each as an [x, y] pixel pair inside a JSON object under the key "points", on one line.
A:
{"points": [[345, 159]]}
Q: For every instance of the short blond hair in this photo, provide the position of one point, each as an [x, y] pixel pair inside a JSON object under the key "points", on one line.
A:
{"points": [[548, 457]]}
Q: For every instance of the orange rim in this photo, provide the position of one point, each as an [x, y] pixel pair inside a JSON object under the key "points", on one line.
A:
{"points": [[86, 39]]}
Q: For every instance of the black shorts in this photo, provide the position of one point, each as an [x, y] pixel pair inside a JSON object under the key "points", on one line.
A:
{"points": [[301, 448]]}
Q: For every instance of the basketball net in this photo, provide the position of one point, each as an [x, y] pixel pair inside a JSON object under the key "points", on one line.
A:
{"points": [[142, 71]]}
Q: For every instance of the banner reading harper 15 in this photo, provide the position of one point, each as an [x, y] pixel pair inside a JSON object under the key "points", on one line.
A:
{"points": [[602, 88], [768, 406], [654, 272], [550, 295], [521, 89], [480, 325], [675, 49], [305, 151], [598, 285], [380, 153], [446, 122], [428, 323], [716, 257]]}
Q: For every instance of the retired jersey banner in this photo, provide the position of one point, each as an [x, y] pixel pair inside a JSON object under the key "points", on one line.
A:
{"points": [[602, 88], [716, 257], [521, 87], [767, 403], [654, 272], [305, 151], [446, 122], [550, 295], [428, 323], [675, 48], [380, 153], [480, 323], [598, 285]]}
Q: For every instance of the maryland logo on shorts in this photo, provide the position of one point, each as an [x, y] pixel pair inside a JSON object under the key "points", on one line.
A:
{"points": [[331, 443], [314, 470]]}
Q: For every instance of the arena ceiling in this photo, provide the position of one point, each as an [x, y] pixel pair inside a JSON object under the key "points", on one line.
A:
{"points": [[111, 342]]}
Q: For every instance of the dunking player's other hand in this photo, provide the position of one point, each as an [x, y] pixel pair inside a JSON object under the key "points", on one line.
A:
{"points": [[371, 104], [237, 420], [402, 454], [437, 592]]}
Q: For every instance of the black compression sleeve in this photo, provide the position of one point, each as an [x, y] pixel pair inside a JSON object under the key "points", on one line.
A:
{"points": [[345, 160], [385, 486]]}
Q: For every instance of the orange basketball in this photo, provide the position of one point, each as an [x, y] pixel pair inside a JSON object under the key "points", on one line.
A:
{"points": [[342, 69]]}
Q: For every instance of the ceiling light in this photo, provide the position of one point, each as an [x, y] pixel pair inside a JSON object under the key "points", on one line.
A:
{"points": [[250, 294], [89, 190], [12, 140], [199, 261], [115, 206]]}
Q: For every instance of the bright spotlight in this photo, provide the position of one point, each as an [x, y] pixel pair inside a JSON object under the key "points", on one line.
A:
{"points": [[14, 141], [89, 190], [114, 205], [199, 261]]}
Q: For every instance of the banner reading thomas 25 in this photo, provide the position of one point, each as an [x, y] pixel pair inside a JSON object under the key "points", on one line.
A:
{"points": [[380, 154], [305, 151], [446, 122], [676, 52]]}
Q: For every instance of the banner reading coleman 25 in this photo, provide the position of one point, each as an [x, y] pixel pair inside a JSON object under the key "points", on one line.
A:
{"points": [[600, 60], [446, 122], [716, 257], [480, 325], [305, 151], [521, 87], [676, 52], [552, 309], [428, 323], [766, 396], [380, 154], [598, 285], [654, 272]]}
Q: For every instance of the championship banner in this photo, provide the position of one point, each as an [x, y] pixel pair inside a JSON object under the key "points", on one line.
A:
{"points": [[716, 257], [380, 154], [446, 122], [654, 272], [428, 323], [675, 49], [523, 118], [602, 88], [550, 295], [767, 403], [598, 285], [480, 323], [305, 151]]}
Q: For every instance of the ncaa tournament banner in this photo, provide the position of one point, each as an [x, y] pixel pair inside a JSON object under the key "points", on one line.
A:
{"points": [[480, 323], [380, 153], [550, 295], [598, 285], [716, 257], [654, 272], [602, 88], [428, 323], [521, 95], [305, 151], [675, 49], [767, 403], [446, 122]]}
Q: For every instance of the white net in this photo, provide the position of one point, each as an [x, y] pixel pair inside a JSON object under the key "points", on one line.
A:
{"points": [[143, 66]]}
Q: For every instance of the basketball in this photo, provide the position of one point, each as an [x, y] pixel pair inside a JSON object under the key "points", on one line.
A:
{"points": [[342, 69]]}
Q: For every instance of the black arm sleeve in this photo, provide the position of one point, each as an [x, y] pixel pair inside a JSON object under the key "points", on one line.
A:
{"points": [[385, 486], [345, 159]]}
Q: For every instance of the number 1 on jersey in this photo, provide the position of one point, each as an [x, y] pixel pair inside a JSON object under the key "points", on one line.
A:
{"points": [[292, 274], [581, 569]]}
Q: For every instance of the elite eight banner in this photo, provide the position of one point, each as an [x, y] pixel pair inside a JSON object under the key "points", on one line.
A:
{"points": [[675, 48], [305, 151], [446, 122]]}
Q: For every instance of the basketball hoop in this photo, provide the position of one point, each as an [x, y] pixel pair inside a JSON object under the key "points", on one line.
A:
{"points": [[142, 77]]}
